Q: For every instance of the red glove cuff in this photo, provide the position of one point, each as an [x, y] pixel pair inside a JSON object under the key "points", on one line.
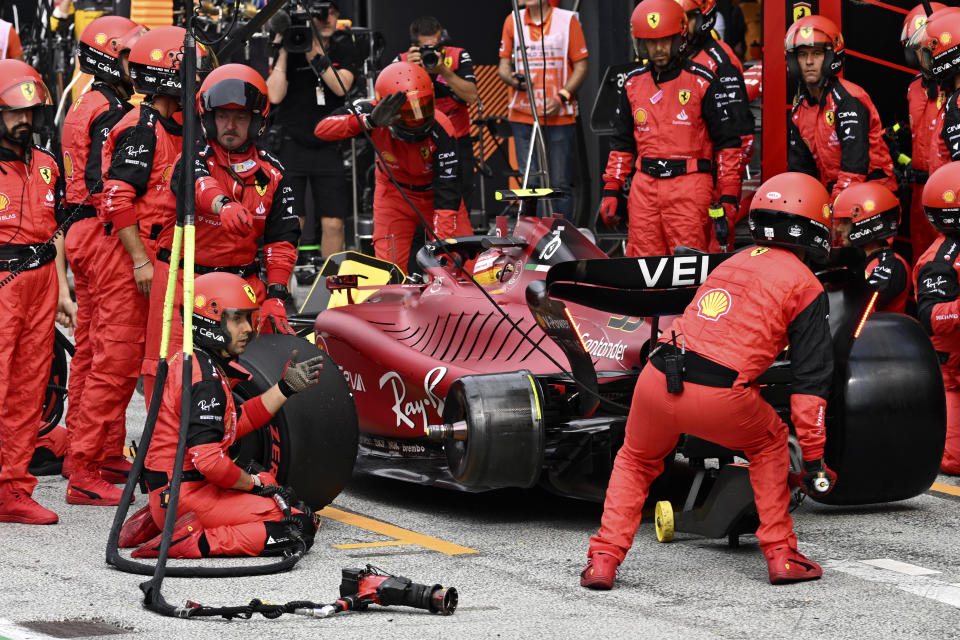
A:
{"points": [[208, 190], [280, 257], [254, 411], [809, 419]]}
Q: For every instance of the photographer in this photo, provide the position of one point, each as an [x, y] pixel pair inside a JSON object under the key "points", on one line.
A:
{"points": [[454, 85], [304, 86]]}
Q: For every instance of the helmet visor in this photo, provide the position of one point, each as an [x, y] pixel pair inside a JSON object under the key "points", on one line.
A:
{"points": [[24, 95], [234, 94], [417, 111], [806, 37]]}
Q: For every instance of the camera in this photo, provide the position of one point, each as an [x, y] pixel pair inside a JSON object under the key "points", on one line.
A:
{"points": [[298, 35], [430, 56]]}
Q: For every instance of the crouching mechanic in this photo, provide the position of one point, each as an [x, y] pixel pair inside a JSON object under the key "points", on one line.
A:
{"points": [[936, 281], [222, 510], [747, 311], [674, 117], [242, 198], [420, 147], [867, 215]]}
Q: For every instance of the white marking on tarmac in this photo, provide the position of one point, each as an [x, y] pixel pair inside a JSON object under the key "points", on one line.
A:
{"points": [[920, 585], [12, 631], [900, 567]]}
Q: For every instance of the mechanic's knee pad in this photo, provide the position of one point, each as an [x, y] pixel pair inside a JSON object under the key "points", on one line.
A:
{"points": [[286, 538]]}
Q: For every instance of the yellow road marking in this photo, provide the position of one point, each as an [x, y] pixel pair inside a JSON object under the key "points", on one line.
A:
{"points": [[364, 545], [945, 488], [401, 536]]}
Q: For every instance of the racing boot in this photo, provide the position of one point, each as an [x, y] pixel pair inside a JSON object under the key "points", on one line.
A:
{"points": [[138, 528], [86, 486], [600, 572], [787, 565], [16, 506], [188, 541], [115, 469]]}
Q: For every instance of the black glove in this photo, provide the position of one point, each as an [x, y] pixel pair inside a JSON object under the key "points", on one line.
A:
{"points": [[817, 478], [387, 110], [298, 376]]}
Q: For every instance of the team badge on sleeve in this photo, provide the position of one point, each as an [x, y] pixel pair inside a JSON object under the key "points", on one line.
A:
{"points": [[713, 304]]}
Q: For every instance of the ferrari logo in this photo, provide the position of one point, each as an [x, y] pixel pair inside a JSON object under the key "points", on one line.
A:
{"points": [[46, 174], [806, 32], [100, 38], [448, 62], [250, 293], [425, 152], [684, 96], [918, 22], [4, 202], [828, 116], [801, 10], [28, 89], [261, 189], [759, 251], [713, 304], [156, 55], [826, 212], [653, 19]]}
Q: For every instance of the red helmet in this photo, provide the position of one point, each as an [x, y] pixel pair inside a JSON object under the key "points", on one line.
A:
{"points": [[233, 86], [217, 296], [703, 13], [130, 37], [100, 45], [416, 115], [810, 32], [792, 210], [873, 210], [936, 43], [655, 19], [155, 61], [916, 19], [22, 88], [941, 199]]}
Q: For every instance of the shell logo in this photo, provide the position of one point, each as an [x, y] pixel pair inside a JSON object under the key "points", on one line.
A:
{"points": [[156, 55], [4, 202], [713, 304], [389, 157], [100, 38], [250, 293], [640, 116], [199, 302], [945, 37], [869, 206], [68, 163], [949, 196], [826, 212]]}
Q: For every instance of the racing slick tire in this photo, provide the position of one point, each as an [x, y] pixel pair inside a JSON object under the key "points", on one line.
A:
{"points": [[887, 440], [505, 433], [311, 444]]}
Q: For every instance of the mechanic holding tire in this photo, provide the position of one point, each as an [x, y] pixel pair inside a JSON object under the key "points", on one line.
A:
{"points": [[242, 198], [31, 206], [698, 380], [937, 285], [671, 103], [139, 152], [102, 50], [222, 510], [420, 147]]}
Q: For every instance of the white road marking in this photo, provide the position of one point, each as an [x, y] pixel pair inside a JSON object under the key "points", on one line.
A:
{"points": [[900, 567], [12, 631], [920, 585]]}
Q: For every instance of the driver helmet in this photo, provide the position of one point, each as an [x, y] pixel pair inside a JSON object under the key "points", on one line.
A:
{"points": [[654, 19], [100, 45], [493, 266], [233, 86], [941, 199], [810, 32], [792, 210], [872, 209], [155, 61], [216, 297], [416, 115], [22, 88]]}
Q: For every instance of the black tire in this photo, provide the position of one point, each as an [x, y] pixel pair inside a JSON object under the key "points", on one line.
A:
{"points": [[311, 444], [56, 393], [505, 432], [886, 441]]}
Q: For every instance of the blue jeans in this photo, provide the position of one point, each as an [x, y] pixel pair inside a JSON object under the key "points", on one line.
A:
{"points": [[560, 150]]}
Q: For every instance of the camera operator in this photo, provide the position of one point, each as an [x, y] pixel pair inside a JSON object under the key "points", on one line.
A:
{"points": [[304, 86], [454, 85]]}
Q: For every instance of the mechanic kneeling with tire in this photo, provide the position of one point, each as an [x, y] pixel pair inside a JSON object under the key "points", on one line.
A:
{"points": [[749, 309], [223, 511]]}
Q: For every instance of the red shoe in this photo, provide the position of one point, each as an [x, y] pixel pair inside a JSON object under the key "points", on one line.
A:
{"points": [[787, 565], [138, 528], [600, 572], [115, 469], [87, 487], [16, 506], [187, 539]]}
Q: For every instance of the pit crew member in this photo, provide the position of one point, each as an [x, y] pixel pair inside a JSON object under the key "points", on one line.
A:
{"points": [[31, 207], [936, 45], [242, 198], [420, 148], [675, 117], [937, 285], [834, 131], [749, 308], [866, 215], [223, 510]]}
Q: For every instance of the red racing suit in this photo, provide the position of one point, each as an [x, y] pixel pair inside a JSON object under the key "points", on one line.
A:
{"points": [[428, 173], [838, 138], [924, 101], [945, 137], [888, 274], [85, 129], [254, 178], [140, 152], [31, 206], [682, 127], [937, 285], [233, 521], [742, 317]]}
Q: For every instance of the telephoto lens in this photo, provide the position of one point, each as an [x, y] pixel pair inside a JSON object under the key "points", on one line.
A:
{"points": [[429, 56]]}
